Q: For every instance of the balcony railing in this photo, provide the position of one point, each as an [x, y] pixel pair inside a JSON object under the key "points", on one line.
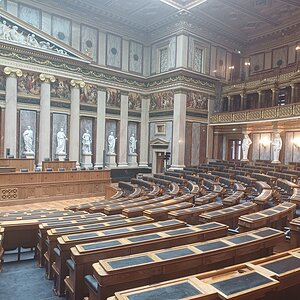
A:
{"points": [[255, 115]]}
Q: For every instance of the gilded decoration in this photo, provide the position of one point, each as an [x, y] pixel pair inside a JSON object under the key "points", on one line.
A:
{"points": [[88, 94], [297, 109], [134, 101], [60, 89], [285, 111], [241, 116], [163, 100], [2, 81], [113, 98], [225, 118], [269, 113], [29, 84], [254, 115], [197, 100]]}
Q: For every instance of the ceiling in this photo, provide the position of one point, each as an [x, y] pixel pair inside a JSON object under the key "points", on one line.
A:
{"points": [[244, 18]]}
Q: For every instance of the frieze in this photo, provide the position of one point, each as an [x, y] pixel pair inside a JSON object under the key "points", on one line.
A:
{"points": [[60, 89], [157, 114], [197, 100], [162, 101], [134, 114], [88, 108], [88, 94], [134, 101], [112, 111], [113, 98], [28, 84], [197, 114], [60, 104], [24, 100]]}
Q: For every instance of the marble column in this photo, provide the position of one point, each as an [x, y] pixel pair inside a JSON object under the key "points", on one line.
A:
{"points": [[44, 128], [10, 131], [229, 103], [123, 130], [259, 99], [179, 123], [292, 85], [210, 132], [100, 138], [74, 144], [144, 137], [242, 101]]}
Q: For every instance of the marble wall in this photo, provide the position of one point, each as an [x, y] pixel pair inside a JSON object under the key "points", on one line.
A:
{"points": [[89, 41], [30, 15], [133, 129], [86, 124], [59, 121], [292, 152], [61, 29], [2, 81], [113, 51], [111, 126], [27, 118], [135, 57]]}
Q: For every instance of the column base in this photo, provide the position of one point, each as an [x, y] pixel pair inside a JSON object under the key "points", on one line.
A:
{"points": [[61, 156], [98, 165], [111, 160], [87, 160], [143, 165], [245, 159], [122, 165], [132, 160]]}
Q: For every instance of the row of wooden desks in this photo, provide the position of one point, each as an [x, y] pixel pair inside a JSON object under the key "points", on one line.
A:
{"points": [[272, 278], [114, 274], [84, 255]]}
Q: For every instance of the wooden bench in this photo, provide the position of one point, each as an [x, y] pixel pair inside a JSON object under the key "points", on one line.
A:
{"points": [[209, 198], [229, 215], [161, 182], [161, 213], [114, 274], [295, 232], [137, 211], [276, 217], [271, 180], [233, 199], [273, 277], [295, 198], [1, 247], [67, 222], [66, 242], [54, 233], [84, 255], [191, 215]]}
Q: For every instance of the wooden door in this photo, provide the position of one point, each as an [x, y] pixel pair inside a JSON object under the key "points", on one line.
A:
{"points": [[160, 162], [234, 150]]}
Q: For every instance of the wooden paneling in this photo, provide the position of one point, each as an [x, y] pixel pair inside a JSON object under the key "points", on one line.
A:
{"points": [[55, 165], [32, 187], [17, 163]]}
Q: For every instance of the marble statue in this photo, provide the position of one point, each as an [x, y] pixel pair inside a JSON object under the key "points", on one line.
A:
{"points": [[28, 140], [13, 33], [61, 142], [132, 144], [245, 146], [111, 143], [276, 145], [86, 142]]}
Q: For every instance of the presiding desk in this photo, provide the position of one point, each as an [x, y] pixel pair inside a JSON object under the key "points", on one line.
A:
{"points": [[56, 165], [17, 163], [24, 188]]}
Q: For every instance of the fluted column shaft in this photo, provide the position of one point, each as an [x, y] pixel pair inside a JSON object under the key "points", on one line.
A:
{"points": [[144, 138], [123, 131]]}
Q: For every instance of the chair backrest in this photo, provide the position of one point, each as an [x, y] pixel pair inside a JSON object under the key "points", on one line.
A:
{"points": [[73, 169], [49, 169], [23, 170], [61, 169], [10, 156], [37, 170], [56, 159], [46, 159]]}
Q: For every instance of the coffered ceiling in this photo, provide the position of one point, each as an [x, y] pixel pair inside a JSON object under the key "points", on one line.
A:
{"points": [[245, 19]]}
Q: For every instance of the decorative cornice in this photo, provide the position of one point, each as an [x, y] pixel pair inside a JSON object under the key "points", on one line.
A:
{"points": [[47, 78], [13, 72], [77, 83]]}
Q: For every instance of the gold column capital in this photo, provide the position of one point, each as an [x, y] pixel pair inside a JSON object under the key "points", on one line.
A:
{"points": [[13, 72], [77, 83], [47, 78]]}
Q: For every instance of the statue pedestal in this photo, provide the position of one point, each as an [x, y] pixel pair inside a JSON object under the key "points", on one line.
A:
{"points": [[87, 160], [275, 162], [132, 160], [111, 160], [61, 156], [245, 159], [29, 155]]}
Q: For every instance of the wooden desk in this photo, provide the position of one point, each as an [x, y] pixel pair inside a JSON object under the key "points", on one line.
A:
{"points": [[55, 165], [22, 188], [151, 267], [17, 163], [295, 232], [84, 255], [7, 170]]}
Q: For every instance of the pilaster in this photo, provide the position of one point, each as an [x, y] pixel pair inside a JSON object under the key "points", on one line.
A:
{"points": [[144, 138]]}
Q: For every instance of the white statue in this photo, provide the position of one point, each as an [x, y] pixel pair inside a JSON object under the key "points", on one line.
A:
{"points": [[111, 143], [61, 142], [132, 144], [28, 140], [86, 142], [277, 145], [245, 146]]}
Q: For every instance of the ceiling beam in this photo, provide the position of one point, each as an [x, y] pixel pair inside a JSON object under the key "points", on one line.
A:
{"points": [[295, 3], [250, 12]]}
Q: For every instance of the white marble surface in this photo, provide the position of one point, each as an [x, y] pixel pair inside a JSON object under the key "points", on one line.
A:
{"points": [[113, 51], [89, 41], [58, 121], [135, 57], [123, 131], [27, 118], [74, 124], [30, 15]]}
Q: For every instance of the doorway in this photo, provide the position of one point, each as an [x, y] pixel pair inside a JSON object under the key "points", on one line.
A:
{"points": [[234, 150], [160, 162]]}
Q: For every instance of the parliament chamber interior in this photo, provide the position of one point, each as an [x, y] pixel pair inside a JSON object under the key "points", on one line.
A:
{"points": [[149, 149]]}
